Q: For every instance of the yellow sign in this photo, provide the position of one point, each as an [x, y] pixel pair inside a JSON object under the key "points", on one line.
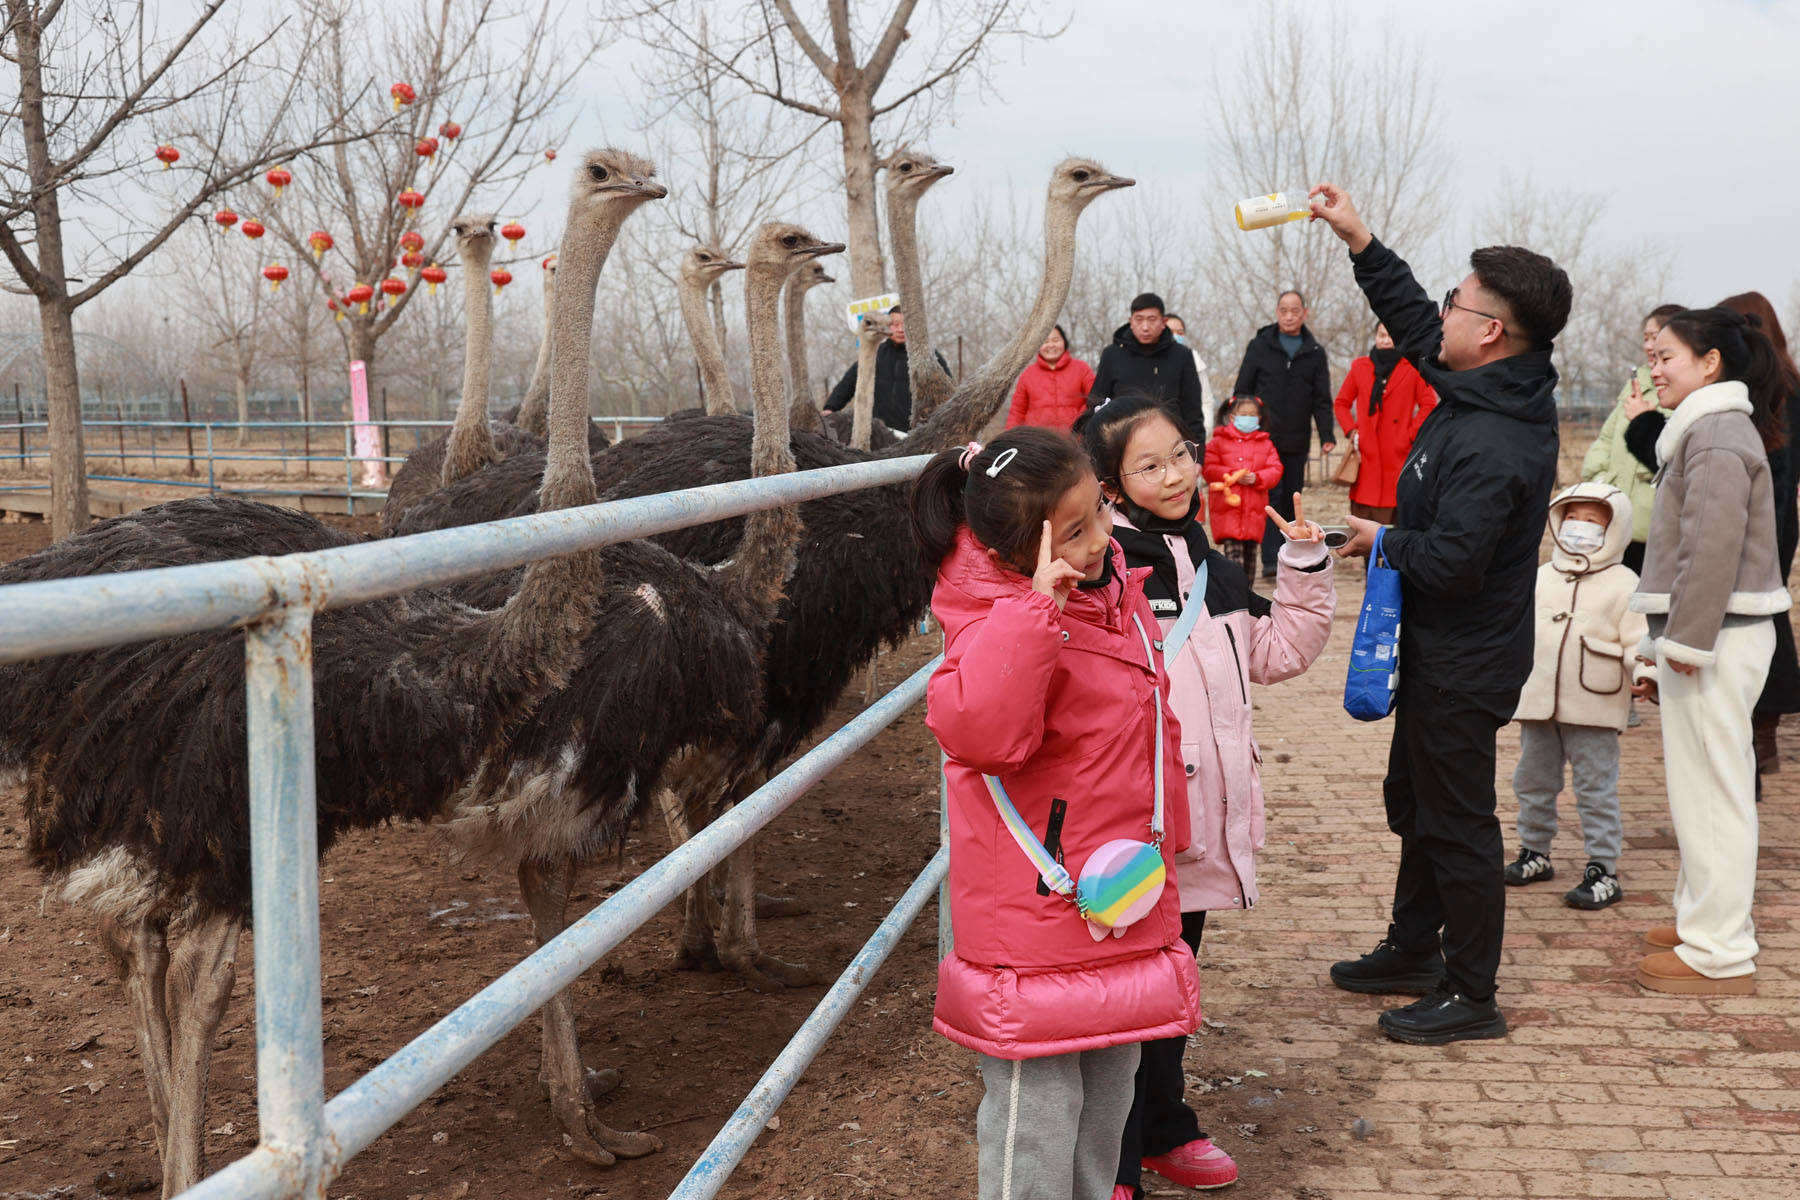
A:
{"points": [[873, 304]]}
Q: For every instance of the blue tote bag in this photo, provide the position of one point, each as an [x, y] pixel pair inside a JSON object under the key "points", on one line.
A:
{"points": [[1374, 677]]}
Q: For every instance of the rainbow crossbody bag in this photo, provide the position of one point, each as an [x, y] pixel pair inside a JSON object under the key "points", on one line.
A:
{"points": [[1122, 880]]}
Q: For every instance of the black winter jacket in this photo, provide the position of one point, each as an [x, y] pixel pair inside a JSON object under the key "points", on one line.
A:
{"points": [[1472, 501], [1294, 391], [1164, 369], [893, 387]]}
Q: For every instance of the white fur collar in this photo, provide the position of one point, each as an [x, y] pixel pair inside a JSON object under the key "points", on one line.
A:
{"points": [[1727, 396]]}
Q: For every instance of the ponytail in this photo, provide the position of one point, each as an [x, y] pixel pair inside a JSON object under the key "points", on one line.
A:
{"points": [[1001, 492], [937, 504], [1746, 355]]}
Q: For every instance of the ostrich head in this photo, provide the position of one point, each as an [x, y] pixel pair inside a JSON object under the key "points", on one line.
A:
{"points": [[704, 265], [811, 275], [614, 182], [474, 234], [783, 247], [1076, 181], [872, 329], [911, 172]]}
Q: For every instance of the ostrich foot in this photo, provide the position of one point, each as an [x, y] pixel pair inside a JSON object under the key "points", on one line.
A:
{"points": [[591, 1140], [599, 1081], [701, 958], [765, 973], [780, 906]]}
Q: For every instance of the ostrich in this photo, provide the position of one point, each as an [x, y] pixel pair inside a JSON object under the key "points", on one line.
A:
{"points": [[136, 755], [575, 772], [805, 410], [910, 174], [532, 411], [871, 332], [701, 267], [859, 583]]}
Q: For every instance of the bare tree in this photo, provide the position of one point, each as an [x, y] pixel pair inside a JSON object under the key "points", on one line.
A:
{"points": [[1297, 110], [819, 66], [98, 86], [498, 74], [222, 274]]}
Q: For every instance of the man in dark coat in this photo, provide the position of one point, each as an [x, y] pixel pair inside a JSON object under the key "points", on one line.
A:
{"points": [[1471, 506], [1284, 366], [1145, 357], [893, 386]]}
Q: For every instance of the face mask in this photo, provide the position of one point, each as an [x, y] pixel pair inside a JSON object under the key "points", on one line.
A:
{"points": [[1582, 537], [1181, 339], [1252, 424]]}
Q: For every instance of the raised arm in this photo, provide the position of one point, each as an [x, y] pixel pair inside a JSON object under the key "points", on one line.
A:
{"points": [[1412, 318]]}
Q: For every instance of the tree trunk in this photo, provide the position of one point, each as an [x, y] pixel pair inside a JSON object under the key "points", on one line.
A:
{"points": [[868, 272], [242, 374], [62, 391]]}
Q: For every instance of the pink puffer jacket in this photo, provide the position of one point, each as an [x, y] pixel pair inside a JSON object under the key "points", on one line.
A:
{"points": [[1058, 706], [1240, 640]]}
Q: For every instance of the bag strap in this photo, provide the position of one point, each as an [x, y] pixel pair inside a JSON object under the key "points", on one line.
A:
{"points": [[1190, 614], [1056, 876]]}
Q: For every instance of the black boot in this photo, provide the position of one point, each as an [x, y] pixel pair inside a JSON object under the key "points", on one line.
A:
{"points": [[1387, 968], [1441, 1017]]}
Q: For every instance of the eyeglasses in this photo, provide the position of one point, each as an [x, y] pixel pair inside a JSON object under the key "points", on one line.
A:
{"points": [[1180, 459], [1450, 303]]}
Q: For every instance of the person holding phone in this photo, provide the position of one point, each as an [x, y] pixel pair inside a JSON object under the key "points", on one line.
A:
{"points": [[1609, 460]]}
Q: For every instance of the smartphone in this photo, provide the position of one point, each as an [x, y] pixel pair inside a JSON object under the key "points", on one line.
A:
{"points": [[1336, 535]]}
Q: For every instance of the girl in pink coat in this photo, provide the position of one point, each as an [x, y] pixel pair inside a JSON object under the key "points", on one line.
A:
{"points": [[1048, 706], [1239, 638]]}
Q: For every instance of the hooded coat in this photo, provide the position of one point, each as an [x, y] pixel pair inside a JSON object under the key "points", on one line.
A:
{"points": [[1472, 498], [1240, 639], [1384, 437], [1058, 706], [1587, 635], [1051, 394], [1296, 392], [1229, 451], [1163, 369]]}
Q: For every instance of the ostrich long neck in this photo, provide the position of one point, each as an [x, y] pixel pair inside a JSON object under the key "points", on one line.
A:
{"points": [[976, 401], [930, 386], [471, 444], [568, 475], [757, 575], [794, 305], [714, 380], [862, 404], [534, 409]]}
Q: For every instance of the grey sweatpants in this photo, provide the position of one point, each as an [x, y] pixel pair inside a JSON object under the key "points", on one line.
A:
{"points": [[1049, 1128], [1593, 758]]}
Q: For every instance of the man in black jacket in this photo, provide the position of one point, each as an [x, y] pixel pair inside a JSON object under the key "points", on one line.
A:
{"points": [[893, 386], [1284, 366], [1145, 357], [1472, 501]]}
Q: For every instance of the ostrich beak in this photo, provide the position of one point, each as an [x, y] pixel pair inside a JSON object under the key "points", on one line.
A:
{"points": [[940, 170], [824, 278], [825, 248], [730, 266], [1110, 182]]}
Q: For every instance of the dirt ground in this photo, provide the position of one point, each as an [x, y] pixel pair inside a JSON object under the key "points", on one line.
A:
{"points": [[887, 1109]]}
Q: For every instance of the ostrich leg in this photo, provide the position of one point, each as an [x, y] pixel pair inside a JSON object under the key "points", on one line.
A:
{"points": [[201, 975], [738, 949], [697, 951], [142, 954], [572, 1087]]}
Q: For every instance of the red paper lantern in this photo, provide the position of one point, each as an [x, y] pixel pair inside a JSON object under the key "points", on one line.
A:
{"points": [[425, 147], [449, 131], [254, 229], [433, 275], [320, 241], [167, 155], [403, 94], [411, 201], [225, 219], [412, 260], [360, 295], [549, 263], [278, 179], [412, 240], [512, 231], [550, 154], [501, 277], [393, 287], [336, 311], [275, 273]]}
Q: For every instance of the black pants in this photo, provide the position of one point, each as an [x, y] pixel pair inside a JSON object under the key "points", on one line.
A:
{"points": [[1160, 1119], [1634, 556], [1440, 800], [1281, 499]]}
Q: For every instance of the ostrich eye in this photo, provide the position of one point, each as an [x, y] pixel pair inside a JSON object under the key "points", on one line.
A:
{"points": [[905, 167], [790, 241], [598, 173], [1081, 175]]}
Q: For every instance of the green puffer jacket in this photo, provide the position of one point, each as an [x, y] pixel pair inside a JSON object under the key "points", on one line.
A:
{"points": [[1610, 462]]}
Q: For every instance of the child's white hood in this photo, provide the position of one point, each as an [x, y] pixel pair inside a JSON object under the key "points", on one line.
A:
{"points": [[1618, 533]]}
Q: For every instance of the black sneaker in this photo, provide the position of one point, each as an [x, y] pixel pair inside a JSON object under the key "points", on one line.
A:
{"points": [[1529, 867], [1387, 968], [1596, 890], [1441, 1017]]}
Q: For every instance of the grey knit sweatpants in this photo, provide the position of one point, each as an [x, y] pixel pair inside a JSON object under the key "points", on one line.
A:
{"points": [[1593, 758], [1049, 1128]]}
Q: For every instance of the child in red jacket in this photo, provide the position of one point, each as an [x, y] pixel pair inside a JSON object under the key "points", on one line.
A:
{"points": [[1242, 464], [1051, 705]]}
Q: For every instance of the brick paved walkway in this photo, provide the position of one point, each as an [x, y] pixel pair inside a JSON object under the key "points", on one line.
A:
{"points": [[1601, 1089]]}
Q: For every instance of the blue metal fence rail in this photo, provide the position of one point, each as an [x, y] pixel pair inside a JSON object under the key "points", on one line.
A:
{"points": [[305, 1142]]}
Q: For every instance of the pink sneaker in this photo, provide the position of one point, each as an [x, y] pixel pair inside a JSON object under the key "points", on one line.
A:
{"points": [[1199, 1164], [1121, 1192]]}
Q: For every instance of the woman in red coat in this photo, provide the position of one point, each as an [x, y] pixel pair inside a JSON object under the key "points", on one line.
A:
{"points": [[1241, 466], [1053, 390], [1381, 406]]}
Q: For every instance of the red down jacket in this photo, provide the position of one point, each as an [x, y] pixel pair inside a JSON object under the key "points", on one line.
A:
{"points": [[1232, 450], [1058, 706]]}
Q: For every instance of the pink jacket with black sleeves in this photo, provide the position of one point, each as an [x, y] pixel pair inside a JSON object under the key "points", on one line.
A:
{"points": [[1058, 706]]}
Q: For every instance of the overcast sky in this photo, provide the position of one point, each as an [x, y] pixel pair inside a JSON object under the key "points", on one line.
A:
{"points": [[1684, 113]]}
